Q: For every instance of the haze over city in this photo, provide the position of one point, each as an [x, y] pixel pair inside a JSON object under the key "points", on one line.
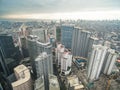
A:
{"points": [[60, 9]]}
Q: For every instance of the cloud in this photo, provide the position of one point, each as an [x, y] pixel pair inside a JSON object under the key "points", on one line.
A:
{"points": [[8, 7]]}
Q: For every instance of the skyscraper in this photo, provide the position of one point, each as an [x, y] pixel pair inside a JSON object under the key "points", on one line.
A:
{"points": [[41, 34], [92, 41], [44, 67], [32, 46], [44, 62], [110, 58], [95, 63], [9, 54], [66, 35], [58, 33], [35, 47], [80, 42], [7, 45]]}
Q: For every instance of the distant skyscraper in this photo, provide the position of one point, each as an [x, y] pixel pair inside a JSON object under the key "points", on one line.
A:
{"points": [[66, 35], [96, 60], [58, 33], [110, 59], [80, 42]]}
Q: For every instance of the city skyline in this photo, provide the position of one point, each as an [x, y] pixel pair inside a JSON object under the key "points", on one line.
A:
{"points": [[60, 9]]}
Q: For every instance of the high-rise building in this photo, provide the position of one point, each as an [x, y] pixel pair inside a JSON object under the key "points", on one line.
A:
{"points": [[66, 62], [92, 41], [44, 67], [110, 59], [58, 33], [32, 46], [59, 53], [41, 34], [23, 77], [44, 62], [80, 42], [36, 47], [10, 55], [66, 35], [7, 45], [3, 65], [95, 63]]}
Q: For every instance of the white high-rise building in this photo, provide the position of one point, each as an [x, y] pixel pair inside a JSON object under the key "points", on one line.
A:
{"points": [[44, 62], [80, 42], [96, 60], [59, 53], [66, 62], [110, 59]]}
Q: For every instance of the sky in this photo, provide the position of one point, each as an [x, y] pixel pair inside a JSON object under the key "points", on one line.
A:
{"points": [[60, 9]]}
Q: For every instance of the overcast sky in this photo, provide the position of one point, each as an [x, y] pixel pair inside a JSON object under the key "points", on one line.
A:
{"points": [[24, 8]]}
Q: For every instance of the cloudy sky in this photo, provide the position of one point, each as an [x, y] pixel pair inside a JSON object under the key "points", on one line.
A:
{"points": [[64, 9]]}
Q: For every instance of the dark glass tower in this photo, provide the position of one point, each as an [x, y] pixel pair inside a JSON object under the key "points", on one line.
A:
{"points": [[9, 54]]}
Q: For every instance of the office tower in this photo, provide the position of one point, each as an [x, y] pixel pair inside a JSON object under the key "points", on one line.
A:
{"points": [[52, 40], [23, 46], [23, 77], [44, 47], [23, 30], [92, 41], [41, 33], [10, 55], [32, 46], [44, 67], [66, 62], [3, 64], [7, 45], [4, 83], [66, 35], [80, 42], [58, 33], [59, 52], [53, 83], [110, 59], [35, 47], [95, 63], [42, 62]]}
